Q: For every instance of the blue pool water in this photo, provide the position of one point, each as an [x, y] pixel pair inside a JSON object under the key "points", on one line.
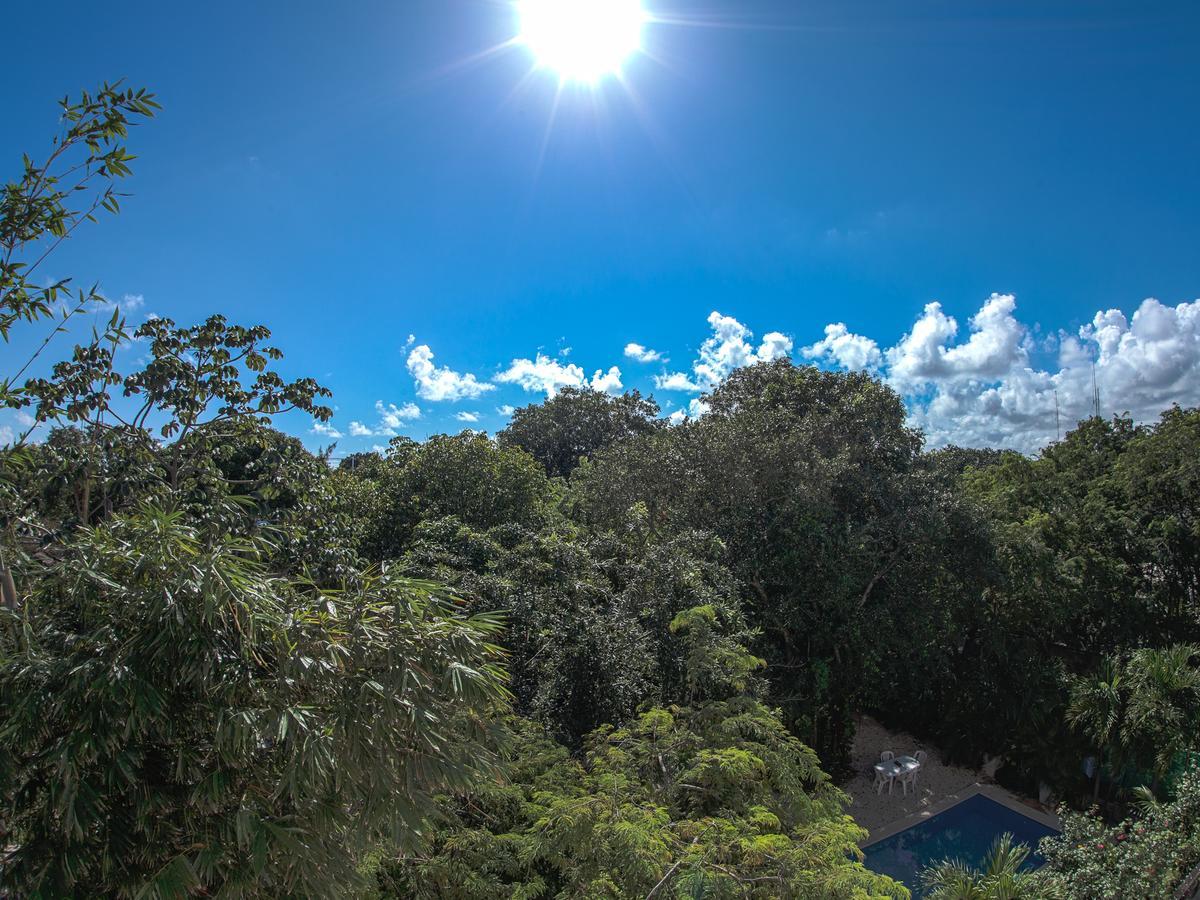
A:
{"points": [[965, 831]]}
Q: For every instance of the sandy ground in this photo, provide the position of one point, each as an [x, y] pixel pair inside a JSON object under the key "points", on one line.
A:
{"points": [[935, 783]]}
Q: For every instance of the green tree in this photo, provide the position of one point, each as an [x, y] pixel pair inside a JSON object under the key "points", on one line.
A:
{"points": [[38, 212], [183, 714], [201, 384], [576, 423], [715, 799], [468, 476], [1081, 573], [1001, 877], [180, 720], [50, 200], [589, 616], [1144, 857], [1163, 714], [1159, 481], [805, 477], [1096, 710], [1143, 710]]}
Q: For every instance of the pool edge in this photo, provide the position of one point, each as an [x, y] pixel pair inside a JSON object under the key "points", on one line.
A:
{"points": [[991, 791]]}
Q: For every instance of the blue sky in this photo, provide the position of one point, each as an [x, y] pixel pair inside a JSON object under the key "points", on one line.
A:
{"points": [[352, 174]]}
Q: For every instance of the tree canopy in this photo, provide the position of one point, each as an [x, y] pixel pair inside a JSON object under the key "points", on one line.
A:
{"points": [[575, 424], [597, 656]]}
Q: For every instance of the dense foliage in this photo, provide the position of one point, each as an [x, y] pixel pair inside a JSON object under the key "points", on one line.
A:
{"points": [[804, 476], [203, 690], [598, 656], [715, 799], [178, 718], [1152, 855], [1143, 857], [575, 424], [1003, 876]]}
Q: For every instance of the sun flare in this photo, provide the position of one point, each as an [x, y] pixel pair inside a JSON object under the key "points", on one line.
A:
{"points": [[582, 40]]}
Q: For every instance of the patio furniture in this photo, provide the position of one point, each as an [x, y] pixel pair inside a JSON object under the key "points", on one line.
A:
{"points": [[886, 755], [883, 775], [910, 766], [903, 768], [921, 756]]}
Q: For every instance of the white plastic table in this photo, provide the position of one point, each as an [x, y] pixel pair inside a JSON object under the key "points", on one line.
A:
{"points": [[892, 769]]}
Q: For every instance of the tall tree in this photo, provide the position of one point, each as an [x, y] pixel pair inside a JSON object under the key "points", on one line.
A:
{"points": [[1097, 708], [180, 721], [713, 799], [468, 476], [804, 476], [1163, 716], [50, 200], [576, 423], [184, 715]]}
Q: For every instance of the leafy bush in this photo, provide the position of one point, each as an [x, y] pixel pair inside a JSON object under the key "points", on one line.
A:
{"points": [[179, 720], [1141, 858], [715, 799]]}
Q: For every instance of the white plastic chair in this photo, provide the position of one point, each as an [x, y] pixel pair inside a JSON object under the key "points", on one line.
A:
{"points": [[910, 778], [881, 779]]}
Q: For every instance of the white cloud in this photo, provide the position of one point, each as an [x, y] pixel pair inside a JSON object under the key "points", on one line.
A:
{"points": [[547, 375], [997, 344], [391, 419], [437, 384], [850, 351], [6, 435], [506, 410], [677, 381], [728, 348], [467, 417], [642, 354], [325, 429], [394, 416], [542, 374], [607, 382], [127, 304], [677, 418], [988, 391], [775, 345]]}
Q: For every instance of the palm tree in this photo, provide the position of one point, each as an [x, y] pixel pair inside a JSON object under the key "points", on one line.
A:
{"points": [[1000, 879], [1095, 711], [1147, 802], [1164, 702]]}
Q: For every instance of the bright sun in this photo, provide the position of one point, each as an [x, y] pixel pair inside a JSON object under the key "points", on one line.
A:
{"points": [[582, 40]]}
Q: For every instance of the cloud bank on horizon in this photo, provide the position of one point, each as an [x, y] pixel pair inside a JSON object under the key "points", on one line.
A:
{"points": [[1004, 383], [989, 391]]}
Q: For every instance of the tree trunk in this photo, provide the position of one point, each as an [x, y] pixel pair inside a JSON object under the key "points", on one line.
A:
{"points": [[8, 589]]}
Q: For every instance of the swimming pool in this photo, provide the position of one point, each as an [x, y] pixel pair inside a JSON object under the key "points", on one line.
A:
{"points": [[965, 831]]}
